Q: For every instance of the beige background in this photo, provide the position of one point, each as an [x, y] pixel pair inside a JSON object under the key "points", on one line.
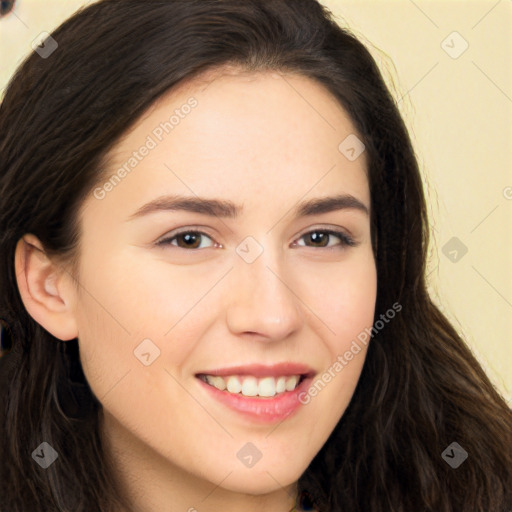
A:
{"points": [[458, 111]]}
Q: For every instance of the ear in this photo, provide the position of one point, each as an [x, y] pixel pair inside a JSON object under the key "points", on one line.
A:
{"points": [[45, 289]]}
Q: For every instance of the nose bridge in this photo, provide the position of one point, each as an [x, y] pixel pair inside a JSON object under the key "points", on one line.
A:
{"points": [[262, 300]]}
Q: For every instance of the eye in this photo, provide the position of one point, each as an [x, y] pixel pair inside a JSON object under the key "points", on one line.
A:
{"points": [[322, 237], [185, 240]]}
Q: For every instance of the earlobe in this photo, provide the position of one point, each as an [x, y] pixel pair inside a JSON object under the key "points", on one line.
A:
{"points": [[41, 285]]}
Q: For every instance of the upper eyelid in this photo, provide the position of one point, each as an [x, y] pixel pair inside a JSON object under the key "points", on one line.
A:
{"points": [[180, 231]]}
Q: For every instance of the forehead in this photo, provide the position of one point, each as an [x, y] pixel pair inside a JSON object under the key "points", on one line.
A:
{"points": [[247, 135]]}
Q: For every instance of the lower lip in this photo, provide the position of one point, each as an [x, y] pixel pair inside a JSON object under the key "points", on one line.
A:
{"points": [[264, 410]]}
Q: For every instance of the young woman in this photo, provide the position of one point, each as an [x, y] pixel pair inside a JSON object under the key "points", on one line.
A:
{"points": [[212, 272]]}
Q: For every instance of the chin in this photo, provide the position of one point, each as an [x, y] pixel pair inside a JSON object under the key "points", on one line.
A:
{"points": [[262, 480]]}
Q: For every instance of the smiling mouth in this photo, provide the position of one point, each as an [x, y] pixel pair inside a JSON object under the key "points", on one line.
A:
{"points": [[251, 386]]}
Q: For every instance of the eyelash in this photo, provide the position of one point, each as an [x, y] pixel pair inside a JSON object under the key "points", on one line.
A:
{"points": [[346, 241]]}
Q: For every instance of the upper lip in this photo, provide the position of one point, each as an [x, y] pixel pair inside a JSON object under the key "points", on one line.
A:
{"points": [[261, 370]]}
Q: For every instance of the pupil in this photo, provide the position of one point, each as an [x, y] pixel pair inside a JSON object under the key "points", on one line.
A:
{"points": [[190, 238], [316, 236]]}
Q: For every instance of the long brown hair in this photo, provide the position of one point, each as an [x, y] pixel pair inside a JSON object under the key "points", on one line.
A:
{"points": [[420, 390]]}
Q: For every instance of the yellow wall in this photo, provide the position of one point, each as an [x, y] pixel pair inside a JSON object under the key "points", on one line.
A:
{"points": [[458, 108]]}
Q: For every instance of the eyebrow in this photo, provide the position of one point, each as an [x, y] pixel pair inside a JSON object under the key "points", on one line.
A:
{"points": [[228, 209]]}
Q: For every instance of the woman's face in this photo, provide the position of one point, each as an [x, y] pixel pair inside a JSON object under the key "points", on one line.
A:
{"points": [[260, 297]]}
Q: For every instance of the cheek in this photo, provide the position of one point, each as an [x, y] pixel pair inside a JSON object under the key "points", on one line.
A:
{"points": [[104, 345], [130, 311], [346, 306], [343, 295], [353, 308]]}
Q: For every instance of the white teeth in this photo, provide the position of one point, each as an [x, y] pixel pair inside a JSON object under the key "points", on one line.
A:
{"points": [[217, 381], [291, 383], [233, 385], [281, 385], [267, 387], [252, 386]]}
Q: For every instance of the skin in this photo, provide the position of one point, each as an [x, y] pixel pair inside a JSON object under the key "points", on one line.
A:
{"points": [[265, 141]]}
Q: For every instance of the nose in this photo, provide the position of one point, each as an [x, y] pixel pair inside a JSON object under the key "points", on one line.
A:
{"points": [[264, 300]]}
